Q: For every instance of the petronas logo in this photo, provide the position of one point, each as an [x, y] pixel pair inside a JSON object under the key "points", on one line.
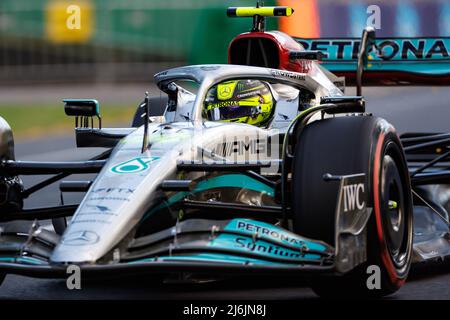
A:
{"points": [[134, 165]]}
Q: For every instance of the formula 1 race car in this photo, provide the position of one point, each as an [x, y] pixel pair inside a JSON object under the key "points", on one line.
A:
{"points": [[259, 167]]}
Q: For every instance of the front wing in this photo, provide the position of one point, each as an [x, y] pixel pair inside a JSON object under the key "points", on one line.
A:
{"points": [[202, 245]]}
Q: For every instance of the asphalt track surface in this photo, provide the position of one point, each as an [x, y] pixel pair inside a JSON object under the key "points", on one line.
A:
{"points": [[409, 109]]}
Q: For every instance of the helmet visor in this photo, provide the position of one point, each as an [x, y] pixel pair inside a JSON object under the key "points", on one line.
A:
{"points": [[233, 112]]}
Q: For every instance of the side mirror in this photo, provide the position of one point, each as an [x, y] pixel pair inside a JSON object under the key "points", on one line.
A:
{"points": [[84, 110], [82, 107], [344, 104]]}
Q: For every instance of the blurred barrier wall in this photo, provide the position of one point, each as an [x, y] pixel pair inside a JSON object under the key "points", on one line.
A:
{"points": [[116, 40], [54, 41]]}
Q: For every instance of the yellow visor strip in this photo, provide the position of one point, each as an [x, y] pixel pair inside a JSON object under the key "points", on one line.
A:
{"points": [[262, 11]]}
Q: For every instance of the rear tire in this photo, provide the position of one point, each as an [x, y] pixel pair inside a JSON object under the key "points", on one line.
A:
{"points": [[350, 145]]}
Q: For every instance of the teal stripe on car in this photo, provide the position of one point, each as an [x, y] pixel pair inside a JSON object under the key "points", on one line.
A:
{"points": [[273, 233], [223, 181], [260, 248], [211, 257], [21, 260], [427, 56]]}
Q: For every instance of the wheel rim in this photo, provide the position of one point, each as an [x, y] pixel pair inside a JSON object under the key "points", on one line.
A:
{"points": [[394, 217]]}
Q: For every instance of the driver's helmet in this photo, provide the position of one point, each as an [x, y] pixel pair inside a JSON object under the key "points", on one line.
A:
{"points": [[245, 101]]}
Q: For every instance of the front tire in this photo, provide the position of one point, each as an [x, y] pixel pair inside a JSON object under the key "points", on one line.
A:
{"points": [[350, 145]]}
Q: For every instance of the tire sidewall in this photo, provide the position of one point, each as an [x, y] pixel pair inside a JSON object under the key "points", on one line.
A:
{"points": [[343, 146], [377, 249]]}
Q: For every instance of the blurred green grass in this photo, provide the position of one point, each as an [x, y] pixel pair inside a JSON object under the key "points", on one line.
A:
{"points": [[35, 121]]}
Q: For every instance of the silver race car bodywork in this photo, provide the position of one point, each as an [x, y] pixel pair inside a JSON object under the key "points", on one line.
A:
{"points": [[120, 195], [183, 194]]}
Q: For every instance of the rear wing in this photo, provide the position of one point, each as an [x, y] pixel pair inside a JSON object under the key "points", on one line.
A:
{"points": [[383, 61], [388, 61]]}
